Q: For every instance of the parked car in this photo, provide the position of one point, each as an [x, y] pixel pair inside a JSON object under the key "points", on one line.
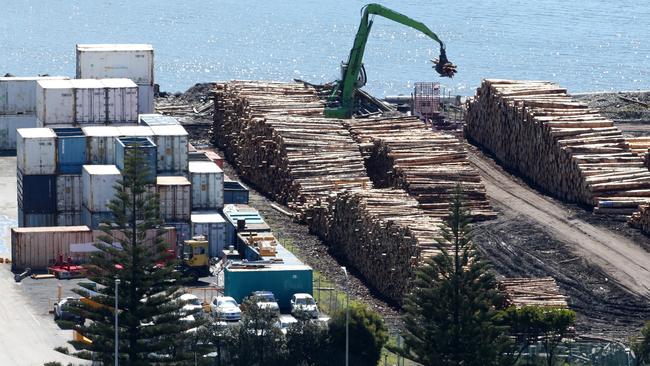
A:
{"points": [[225, 308], [62, 310], [304, 304], [192, 308], [284, 321], [266, 300]]}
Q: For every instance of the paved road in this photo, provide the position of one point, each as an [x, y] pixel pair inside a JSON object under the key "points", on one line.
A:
{"points": [[626, 262]]}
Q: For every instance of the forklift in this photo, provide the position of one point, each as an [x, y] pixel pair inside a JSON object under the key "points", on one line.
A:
{"points": [[195, 258]]}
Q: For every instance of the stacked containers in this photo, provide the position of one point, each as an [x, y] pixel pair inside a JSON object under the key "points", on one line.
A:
{"points": [[121, 101], [68, 200], [89, 102], [124, 146], [207, 185], [100, 144], [211, 225], [172, 145], [234, 193], [156, 120], [17, 107], [55, 103], [132, 61], [36, 172], [71, 150], [175, 195], [98, 182]]}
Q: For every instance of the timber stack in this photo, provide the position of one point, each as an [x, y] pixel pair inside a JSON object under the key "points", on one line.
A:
{"points": [[520, 292], [382, 233], [641, 219], [561, 145], [402, 153], [277, 137]]}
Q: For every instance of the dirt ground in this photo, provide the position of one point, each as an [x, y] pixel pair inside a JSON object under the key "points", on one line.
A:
{"points": [[599, 262]]}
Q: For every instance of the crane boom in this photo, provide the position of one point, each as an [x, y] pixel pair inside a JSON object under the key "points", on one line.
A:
{"points": [[343, 94]]}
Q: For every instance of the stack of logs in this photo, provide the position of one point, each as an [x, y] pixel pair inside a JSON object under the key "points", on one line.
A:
{"points": [[381, 233], [561, 145], [521, 292], [277, 137], [402, 153]]}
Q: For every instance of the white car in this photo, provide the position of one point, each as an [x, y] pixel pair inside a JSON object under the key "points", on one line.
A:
{"points": [[225, 308], [304, 304], [192, 307], [266, 300], [284, 321]]}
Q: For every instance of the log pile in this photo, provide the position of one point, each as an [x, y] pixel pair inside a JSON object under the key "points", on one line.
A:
{"points": [[561, 145], [641, 219], [277, 137], [521, 292], [401, 152], [381, 233]]}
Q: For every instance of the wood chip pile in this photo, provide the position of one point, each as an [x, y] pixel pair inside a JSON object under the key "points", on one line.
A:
{"points": [[381, 233], [277, 137], [403, 153], [561, 145], [521, 292]]}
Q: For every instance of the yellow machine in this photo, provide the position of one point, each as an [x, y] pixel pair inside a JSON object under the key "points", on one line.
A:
{"points": [[196, 261]]}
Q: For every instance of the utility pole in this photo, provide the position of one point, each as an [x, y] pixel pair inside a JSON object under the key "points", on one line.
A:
{"points": [[117, 329], [347, 318]]}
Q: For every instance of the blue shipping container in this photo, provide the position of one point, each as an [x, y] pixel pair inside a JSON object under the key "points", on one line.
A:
{"points": [[144, 145], [35, 219], [36, 193], [70, 150], [94, 219], [234, 193]]}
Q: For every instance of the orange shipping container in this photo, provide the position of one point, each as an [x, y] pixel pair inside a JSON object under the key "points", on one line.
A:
{"points": [[38, 247]]}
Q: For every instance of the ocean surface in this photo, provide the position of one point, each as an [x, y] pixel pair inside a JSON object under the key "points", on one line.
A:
{"points": [[585, 45]]}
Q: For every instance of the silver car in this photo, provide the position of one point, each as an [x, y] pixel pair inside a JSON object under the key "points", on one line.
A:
{"points": [[225, 308]]}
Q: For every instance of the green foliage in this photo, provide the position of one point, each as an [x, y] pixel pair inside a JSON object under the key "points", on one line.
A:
{"points": [[368, 335], [149, 308], [53, 363], [307, 343], [449, 315], [640, 345], [63, 350]]}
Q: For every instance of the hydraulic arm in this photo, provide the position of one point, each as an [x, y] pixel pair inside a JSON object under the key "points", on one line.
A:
{"points": [[341, 101]]}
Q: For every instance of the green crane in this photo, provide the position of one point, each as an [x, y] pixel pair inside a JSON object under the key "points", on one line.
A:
{"points": [[341, 101]]}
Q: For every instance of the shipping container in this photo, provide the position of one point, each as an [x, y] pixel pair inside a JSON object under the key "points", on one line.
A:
{"points": [[197, 156], [234, 193], [68, 193], [8, 126], [213, 157], [97, 182], [55, 102], [35, 219], [71, 150], [140, 145], [36, 193], [282, 280], [156, 119], [36, 151], [257, 246], [175, 195], [183, 231], [39, 247], [131, 61], [69, 218], [93, 219], [168, 236], [213, 227], [172, 143], [100, 144], [207, 185], [135, 131], [242, 219], [121, 101], [145, 99], [90, 101], [18, 94]]}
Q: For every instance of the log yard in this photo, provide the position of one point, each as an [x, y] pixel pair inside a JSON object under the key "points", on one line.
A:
{"points": [[291, 189]]}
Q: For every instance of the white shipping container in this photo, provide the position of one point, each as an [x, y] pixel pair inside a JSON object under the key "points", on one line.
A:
{"points": [[135, 131], [213, 227], [69, 218], [36, 151], [37, 247], [68, 193], [131, 61], [122, 100], [100, 148], [172, 143], [175, 195], [90, 101], [145, 99], [8, 126], [18, 94], [207, 185], [97, 182], [55, 102]]}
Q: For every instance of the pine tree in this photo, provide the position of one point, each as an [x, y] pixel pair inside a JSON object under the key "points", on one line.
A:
{"points": [[449, 315], [150, 325]]}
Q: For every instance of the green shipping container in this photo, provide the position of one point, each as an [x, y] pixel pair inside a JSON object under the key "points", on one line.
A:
{"points": [[282, 280]]}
